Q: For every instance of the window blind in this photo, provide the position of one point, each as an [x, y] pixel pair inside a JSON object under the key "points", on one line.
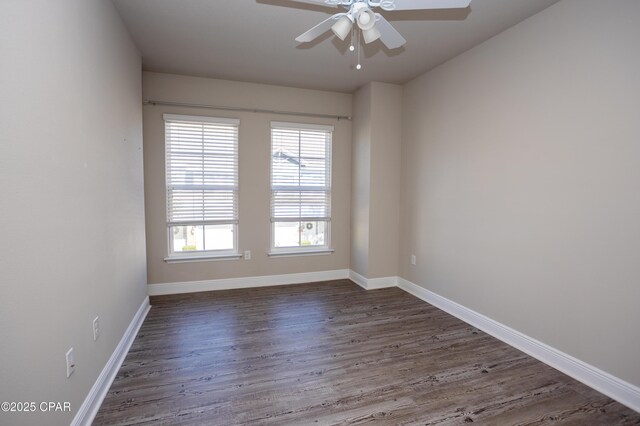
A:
{"points": [[201, 170], [300, 172]]}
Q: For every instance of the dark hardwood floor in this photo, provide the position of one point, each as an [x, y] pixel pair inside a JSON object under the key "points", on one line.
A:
{"points": [[332, 353]]}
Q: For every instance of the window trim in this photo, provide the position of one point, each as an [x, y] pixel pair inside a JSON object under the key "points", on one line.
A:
{"points": [[297, 253], [301, 126], [201, 255], [190, 257], [201, 119], [326, 248]]}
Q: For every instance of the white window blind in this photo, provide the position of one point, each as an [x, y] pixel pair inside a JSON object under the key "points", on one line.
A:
{"points": [[300, 172], [201, 170]]}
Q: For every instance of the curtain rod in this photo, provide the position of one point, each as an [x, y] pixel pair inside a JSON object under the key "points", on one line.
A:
{"points": [[255, 110]]}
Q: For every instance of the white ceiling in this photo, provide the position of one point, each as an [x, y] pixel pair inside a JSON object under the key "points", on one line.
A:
{"points": [[253, 40]]}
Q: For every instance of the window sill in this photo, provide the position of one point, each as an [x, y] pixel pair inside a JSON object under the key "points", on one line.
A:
{"points": [[202, 258], [293, 253]]}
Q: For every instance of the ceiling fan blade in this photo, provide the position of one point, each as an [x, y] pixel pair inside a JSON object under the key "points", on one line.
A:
{"points": [[388, 35], [319, 29], [318, 2], [429, 4]]}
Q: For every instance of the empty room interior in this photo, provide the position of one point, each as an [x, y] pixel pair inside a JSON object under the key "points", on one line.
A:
{"points": [[319, 212]]}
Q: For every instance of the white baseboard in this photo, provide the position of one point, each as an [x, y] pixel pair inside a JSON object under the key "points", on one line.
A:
{"points": [[384, 282], [246, 282], [358, 279], [603, 382], [372, 283], [92, 402]]}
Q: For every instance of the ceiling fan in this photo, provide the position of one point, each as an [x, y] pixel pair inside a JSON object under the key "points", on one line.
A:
{"points": [[373, 25]]}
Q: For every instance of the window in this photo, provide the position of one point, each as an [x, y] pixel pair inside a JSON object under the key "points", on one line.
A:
{"points": [[300, 187], [202, 186]]}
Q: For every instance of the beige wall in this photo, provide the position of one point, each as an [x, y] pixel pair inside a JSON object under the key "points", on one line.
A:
{"points": [[361, 180], [386, 136], [71, 200], [375, 198], [522, 176], [254, 165]]}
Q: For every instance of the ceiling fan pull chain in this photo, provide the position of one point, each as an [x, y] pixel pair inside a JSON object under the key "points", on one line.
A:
{"points": [[352, 47], [359, 47]]}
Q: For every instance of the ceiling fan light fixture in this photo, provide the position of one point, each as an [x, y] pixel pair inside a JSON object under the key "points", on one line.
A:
{"points": [[366, 19], [372, 34], [374, 26], [342, 27]]}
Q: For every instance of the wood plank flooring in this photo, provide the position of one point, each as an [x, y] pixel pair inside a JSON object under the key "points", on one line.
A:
{"points": [[333, 353]]}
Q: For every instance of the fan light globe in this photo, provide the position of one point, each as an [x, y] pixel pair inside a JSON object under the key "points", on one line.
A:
{"points": [[371, 34], [342, 27], [366, 19]]}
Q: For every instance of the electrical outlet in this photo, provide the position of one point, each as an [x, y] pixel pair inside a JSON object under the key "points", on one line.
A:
{"points": [[413, 259], [71, 364], [247, 255], [96, 328]]}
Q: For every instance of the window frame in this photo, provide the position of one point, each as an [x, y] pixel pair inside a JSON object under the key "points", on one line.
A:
{"points": [[326, 248], [200, 255]]}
